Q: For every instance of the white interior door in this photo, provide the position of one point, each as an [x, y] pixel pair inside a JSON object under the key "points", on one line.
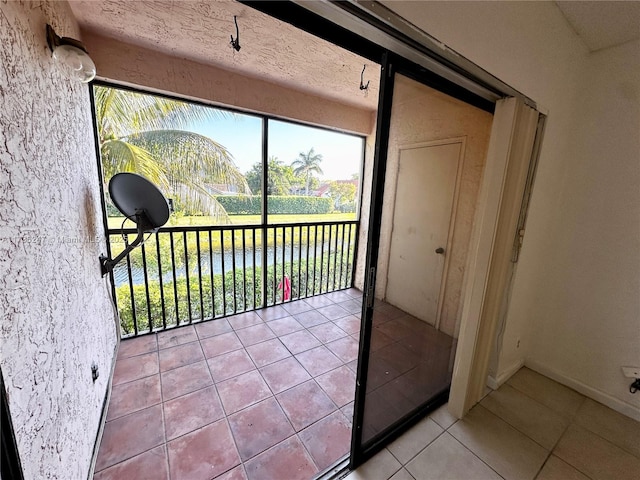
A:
{"points": [[425, 195]]}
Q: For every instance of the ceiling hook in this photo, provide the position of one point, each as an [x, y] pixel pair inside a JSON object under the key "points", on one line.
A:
{"points": [[235, 43], [362, 84]]}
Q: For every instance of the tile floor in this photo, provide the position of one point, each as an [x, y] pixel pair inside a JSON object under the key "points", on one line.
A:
{"points": [[260, 395], [530, 428]]}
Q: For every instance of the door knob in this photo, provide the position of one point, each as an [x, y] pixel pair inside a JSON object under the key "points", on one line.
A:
{"points": [[440, 250]]}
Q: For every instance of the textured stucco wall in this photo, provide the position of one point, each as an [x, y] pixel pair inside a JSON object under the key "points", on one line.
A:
{"points": [[56, 315], [131, 64], [421, 114]]}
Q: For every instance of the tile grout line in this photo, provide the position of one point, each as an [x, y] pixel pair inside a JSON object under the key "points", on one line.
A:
{"points": [[471, 451]]}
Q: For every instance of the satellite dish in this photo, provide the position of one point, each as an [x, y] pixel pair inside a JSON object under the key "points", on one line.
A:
{"points": [[140, 201]]}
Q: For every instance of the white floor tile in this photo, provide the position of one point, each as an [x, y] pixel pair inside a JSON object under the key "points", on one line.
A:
{"points": [[443, 418], [611, 425], [381, 466], [535, 420], [448, 459], [509, 452], [402, 475], [546, 391], [596, 457], [556, 469], [413, 441]]}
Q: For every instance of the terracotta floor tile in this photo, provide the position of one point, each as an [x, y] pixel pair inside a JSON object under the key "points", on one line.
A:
{"points": [[379, 339], [346, 349], [203, 454], [310, 319], [131, 347], [350, 324], [255, 334], [353, 366], [288, 460], [134, 368], [318, 360], [183, 380], [327, 440], [353, 292], [211, 328], [241, 391], [283, 326], [180, 356], [150, 465], [229, 365], [399, 357], [176, 336], [267, 352], [296, 307], [272, 313], [244, 320], [236, 473], [192, 411], [284, 374], [259, 427], [319, 301], [327, 332], [338, 297], [214, 346], [339, 384], [333, 312], [347, 411], [305, 404], [130, 435], [133, 396], [354, 307], [298, 342]]}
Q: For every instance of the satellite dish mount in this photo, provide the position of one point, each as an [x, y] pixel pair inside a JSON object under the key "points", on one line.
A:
{"points": [[140, 201]]}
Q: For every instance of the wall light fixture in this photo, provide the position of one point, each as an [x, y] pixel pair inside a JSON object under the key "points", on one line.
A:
{"points": [[71, 56]]}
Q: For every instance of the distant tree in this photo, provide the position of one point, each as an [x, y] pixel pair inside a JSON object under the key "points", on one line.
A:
{"points": [[280, 178], [306, 165], [342, 193]]}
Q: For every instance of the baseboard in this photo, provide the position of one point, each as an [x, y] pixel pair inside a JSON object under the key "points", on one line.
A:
{"points": [[494, 383], [586, 390]]}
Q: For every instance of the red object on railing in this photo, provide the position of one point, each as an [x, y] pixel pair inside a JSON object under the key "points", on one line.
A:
{"points": [[285, 286]]}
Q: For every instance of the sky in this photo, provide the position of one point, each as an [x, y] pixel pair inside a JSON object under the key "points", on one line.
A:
{"points": [[242, 135]]}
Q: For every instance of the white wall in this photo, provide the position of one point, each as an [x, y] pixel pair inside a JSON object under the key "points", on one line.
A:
{"points": [[588, 321], [56, 315], [574, 309]]}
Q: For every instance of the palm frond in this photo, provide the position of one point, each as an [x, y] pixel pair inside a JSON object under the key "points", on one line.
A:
{"points": [[190, 158], [196, 199], [122, 112], [120, 156]]}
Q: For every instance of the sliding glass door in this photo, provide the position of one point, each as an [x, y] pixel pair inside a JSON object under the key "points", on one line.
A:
{"points": [[429, 157]]}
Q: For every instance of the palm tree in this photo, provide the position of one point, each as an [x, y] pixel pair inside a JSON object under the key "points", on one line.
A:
{"points": [[306, 164], [141, 133]]}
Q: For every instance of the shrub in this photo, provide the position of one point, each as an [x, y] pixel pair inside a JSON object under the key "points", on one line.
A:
{"points": [[276, 204]]}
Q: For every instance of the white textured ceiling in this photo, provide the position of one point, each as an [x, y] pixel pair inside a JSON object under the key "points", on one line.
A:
{"points": [[603, 24], [270, 49]]}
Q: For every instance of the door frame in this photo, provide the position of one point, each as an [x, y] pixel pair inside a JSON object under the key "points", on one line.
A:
{"points": [[462, 140]]}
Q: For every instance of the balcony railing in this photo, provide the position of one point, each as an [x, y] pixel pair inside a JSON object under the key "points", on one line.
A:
{"points": [[183, 275]]}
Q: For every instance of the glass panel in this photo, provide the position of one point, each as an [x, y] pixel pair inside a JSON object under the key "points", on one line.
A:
{"points": [[197, 155], [434, 164], [313, 174]]}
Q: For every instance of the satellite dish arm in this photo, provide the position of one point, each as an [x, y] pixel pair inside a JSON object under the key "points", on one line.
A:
{"points": [[106, 264]]}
